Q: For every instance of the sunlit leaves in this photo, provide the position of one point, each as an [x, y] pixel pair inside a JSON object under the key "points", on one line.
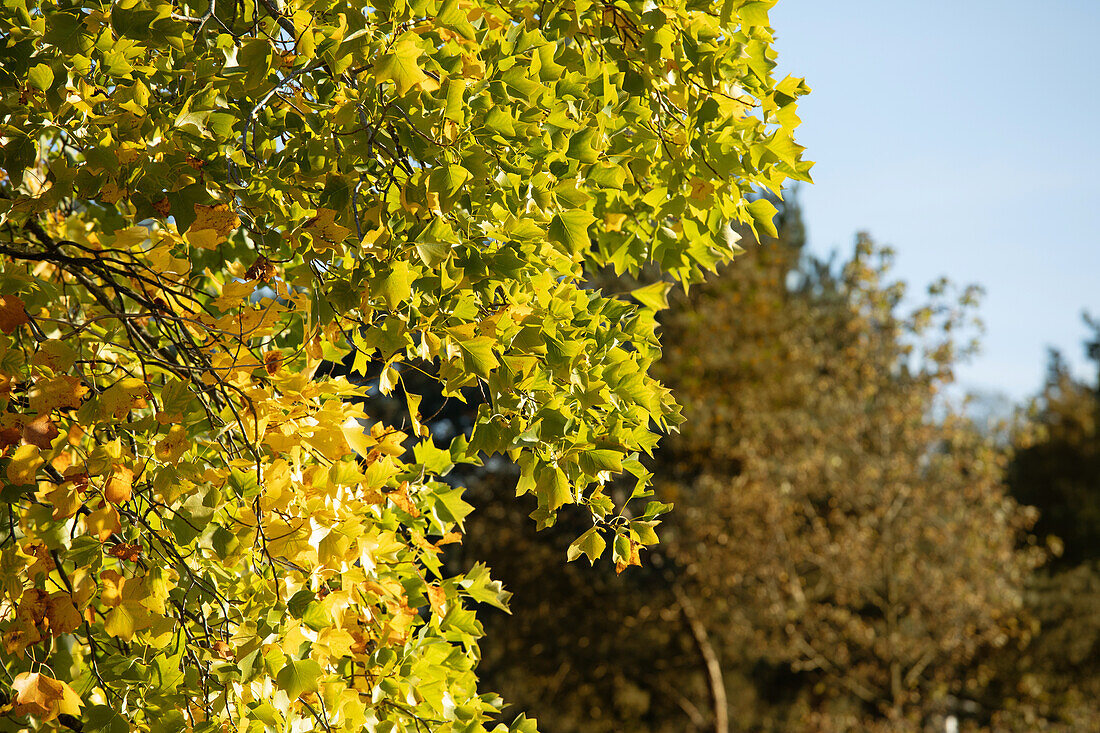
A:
{"points": [[400, 66], [203, 204], [590, 544]]}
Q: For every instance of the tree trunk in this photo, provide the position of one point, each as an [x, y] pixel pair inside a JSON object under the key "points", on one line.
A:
{"points": [[710, 660]]}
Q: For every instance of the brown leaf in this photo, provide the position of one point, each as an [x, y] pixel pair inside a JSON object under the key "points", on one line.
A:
{"points": [[130, 551], [43, 561], [261, 269], [401, 498], [10, 431], [272, 361], [40, 431], [13, 314], [61, 614]]}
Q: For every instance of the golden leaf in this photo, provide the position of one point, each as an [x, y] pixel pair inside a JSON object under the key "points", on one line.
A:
{"points": [[103, 522], [324, 230], [613, 222], [57, 393], [44, 697], [24, 465], [119, 487], [212, 225], [437, 599], [173, 446]]}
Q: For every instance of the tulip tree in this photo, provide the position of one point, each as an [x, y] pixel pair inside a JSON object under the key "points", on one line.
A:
{"points": [[204, 201]]}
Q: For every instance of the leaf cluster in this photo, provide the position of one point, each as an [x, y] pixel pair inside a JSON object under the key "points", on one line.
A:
{"points": [[202, 202]]}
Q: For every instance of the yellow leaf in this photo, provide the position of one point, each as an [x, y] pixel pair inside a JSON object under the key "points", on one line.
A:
{"points": [[57, 393], [103, 522], [401, 67], [219, 218], [126, 619], [613, 222], [124, 395], [65, 500], [204, 238], [337, 641], [324, 230], [24, 465], [173, 446], [234, 293]]}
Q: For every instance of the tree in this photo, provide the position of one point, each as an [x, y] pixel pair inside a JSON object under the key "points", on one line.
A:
{"points": [[204, 201], [1056, 468], [1059, 471], [839, 518], [842, 555]]}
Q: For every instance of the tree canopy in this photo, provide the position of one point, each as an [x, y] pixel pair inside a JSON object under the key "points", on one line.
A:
{"points": [[203, 201]]}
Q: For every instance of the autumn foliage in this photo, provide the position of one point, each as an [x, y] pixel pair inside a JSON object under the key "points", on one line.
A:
{"points": [[204, 202]]}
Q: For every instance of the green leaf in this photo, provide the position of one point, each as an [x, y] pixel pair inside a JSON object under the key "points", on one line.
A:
{"points": [[298, 677], [553, 490], [19, 154], [653, 296], [645, 531], [763, 216], [479, 586], [452, 17], [316, 617], [103, 718], [68, 32], [40, 76], [396, 287], [569, 229], [477, 353], [590, 544], [401, 66], [601, 459], [251, 665]]}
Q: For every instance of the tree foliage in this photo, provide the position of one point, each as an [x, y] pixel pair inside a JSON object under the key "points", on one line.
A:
{"points": [[843, 521], [204, 201], [1055, 679], [842, 544], [1058, 470]]}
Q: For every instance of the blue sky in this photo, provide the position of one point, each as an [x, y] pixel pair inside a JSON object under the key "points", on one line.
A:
{"points": [[966, 135]]}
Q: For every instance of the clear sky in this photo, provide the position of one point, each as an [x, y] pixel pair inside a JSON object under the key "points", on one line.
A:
{"points": [[966, 135]]}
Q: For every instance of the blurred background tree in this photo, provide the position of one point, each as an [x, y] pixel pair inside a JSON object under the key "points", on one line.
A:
{"points": [[1056, 468]]}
